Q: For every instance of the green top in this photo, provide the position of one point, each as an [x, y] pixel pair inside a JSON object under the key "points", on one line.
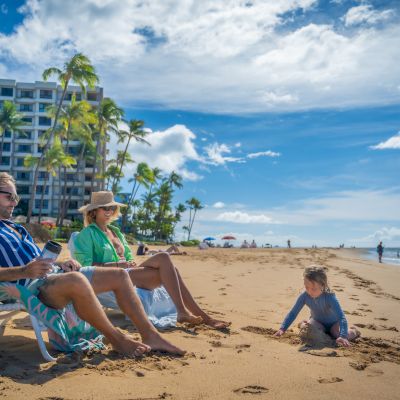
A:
{"points": [[92, 245]]}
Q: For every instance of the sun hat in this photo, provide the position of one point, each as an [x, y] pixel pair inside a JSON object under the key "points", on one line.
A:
{"points": [[100, 199]]}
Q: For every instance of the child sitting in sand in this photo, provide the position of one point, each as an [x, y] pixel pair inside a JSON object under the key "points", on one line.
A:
{"points": [[326, 313]]}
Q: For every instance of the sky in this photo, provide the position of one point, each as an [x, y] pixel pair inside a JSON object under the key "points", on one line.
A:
{"points": [[282, 117]]}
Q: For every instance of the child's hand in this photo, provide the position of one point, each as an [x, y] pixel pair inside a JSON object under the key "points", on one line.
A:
{"points": [[279, 333], [340, 341]]}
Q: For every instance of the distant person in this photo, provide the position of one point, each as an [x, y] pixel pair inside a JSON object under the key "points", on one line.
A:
{"points": [[398, 254], [288, 244], [245, 244], [203, 245], [326, 313], [379, 250], [253, 244]]}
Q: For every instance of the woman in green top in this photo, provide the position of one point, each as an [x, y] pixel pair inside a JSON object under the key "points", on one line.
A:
{"points": [[102, 244]]}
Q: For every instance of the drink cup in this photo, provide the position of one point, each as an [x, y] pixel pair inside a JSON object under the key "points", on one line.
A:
{"points": [[51, 250]]}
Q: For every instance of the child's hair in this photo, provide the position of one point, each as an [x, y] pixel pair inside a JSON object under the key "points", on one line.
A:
{"points": [[316, 273]]}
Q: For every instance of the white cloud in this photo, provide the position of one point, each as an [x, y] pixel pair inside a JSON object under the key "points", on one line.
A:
{"points": [[169, 150], [227, 57], [391, 143], [240, 217], [215, 154], [365, 13], [386, 234], [267, 153], [219, 204]]}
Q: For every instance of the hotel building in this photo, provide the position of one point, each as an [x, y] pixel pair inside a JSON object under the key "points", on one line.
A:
{"points": [[31, 100]]}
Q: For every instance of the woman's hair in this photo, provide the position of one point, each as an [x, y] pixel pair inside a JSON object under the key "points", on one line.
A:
{"points": [[89, 217], [6, 179], [316, 273]]}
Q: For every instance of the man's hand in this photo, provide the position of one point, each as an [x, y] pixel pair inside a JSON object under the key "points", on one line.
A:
{"points": [[69, 265], [126, 264], [341, 341], [37, 268]]}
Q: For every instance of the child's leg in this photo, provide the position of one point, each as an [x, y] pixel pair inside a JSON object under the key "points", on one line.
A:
{"points": [[312, 322], [352, 333]]}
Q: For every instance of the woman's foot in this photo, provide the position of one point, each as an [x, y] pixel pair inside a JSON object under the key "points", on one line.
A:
{"points": [[129, 347], [187, 317], [158, 343], [217, 324]]}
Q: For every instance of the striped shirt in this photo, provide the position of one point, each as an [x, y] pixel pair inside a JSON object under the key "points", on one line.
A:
{"points": [[16, 251]]}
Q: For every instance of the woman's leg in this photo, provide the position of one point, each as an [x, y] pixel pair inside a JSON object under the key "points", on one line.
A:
{"points": [[166, 270], [159, 270], [352, 333]]}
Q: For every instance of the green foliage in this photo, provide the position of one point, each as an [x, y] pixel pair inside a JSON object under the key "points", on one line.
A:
{"points": [[190, 243]]}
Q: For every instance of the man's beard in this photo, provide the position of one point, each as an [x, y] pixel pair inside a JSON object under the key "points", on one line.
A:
{"points": [[4, 213]]}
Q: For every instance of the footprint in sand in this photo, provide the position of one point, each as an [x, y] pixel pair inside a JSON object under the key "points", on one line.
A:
{"points": [[251, 389], [335, 379]]}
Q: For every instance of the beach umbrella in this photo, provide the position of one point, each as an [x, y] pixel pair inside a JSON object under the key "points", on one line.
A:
{"points": [[228, 237], [209, 238]]}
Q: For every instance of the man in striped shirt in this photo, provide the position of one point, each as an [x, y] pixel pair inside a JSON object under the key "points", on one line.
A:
{"points": [[79, 285]]}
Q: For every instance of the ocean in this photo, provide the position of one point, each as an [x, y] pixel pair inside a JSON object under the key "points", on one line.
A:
{"points": [[391, 255]]}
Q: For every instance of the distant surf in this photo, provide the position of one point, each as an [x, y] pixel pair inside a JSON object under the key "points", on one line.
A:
{"points": [[391, 255]]}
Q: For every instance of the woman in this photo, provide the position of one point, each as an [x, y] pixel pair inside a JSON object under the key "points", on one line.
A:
{"points": [[102, 244]]}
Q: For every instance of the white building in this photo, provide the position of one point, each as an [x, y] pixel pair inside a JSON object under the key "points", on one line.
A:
{"points": [[31, 100]]}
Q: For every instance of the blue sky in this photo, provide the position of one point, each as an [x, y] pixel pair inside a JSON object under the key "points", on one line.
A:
{"points": [[283, 118]]}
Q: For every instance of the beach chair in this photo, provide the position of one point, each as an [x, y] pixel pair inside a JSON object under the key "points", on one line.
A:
{"points": [[36, 325]]}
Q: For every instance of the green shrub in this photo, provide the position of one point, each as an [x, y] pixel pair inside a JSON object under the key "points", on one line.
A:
{"points": [[190, 243]]}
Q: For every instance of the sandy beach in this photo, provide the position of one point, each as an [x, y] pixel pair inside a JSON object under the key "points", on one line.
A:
{"points": [[253, 288]]}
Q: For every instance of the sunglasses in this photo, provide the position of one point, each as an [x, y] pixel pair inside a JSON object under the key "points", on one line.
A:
{"points": [[109, 208], [11, 196]]}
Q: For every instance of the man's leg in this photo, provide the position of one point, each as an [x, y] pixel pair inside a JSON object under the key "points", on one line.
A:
{"points": [[119, 281], [59, 290]]}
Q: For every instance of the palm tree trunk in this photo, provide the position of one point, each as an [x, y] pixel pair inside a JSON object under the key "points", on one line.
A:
{"points": [[115, 182], [62, 206], [36, 174], [1, 145], [95, 164], [41, 202]]}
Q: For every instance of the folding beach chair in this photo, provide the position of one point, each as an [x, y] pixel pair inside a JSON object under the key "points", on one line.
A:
{"points": [[36, 325]]}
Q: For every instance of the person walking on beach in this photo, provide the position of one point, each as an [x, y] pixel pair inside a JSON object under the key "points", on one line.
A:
{"points": [[288, 244], [379, 250], [326, 313]]}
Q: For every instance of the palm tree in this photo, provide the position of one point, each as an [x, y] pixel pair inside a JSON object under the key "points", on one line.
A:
{"points": [[108, 116], [194, 205], [10, 120], [53, 159], [79, 70], [135, 132]]}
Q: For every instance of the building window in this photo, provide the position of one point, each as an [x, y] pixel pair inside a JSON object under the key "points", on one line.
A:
{"points": [[27, 120], [5, 161], [23, 176], [45, 203], [6, 146], [39, 190], [26, 107], [73, 204], [7, 134], [19, 162], [41, 133], [23, 189], [46, 94], [24, 148], [24, 135], [68, 96], [43, 175], [27, 94], [74, 191], [44, 121], [5, 91], [92, 96], [40, 148], [42, 107]]}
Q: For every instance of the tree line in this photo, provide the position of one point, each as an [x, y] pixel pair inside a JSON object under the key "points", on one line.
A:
{"points": [[150, 212]]}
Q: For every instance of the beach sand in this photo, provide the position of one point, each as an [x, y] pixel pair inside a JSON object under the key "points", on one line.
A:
{"points": [[253, 288]]}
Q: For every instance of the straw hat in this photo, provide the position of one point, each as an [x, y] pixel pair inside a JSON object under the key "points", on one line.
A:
{"points": [[100, 199]]}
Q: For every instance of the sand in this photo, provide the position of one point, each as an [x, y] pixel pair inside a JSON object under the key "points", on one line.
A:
{"points": [[253, 288]]}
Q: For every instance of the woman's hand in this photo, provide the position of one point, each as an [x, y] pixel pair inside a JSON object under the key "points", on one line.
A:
{"points": [[126, 264], [69, 265], [279, 333], [341, 341]]}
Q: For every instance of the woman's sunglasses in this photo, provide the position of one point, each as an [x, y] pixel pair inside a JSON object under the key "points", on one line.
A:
{"points": [[109, 208], [11, 196]]}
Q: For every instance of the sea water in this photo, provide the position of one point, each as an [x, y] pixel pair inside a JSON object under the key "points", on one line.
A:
{"points": [[391, 255]]}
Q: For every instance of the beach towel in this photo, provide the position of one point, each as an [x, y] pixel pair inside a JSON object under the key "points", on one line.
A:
{"points": [[67, 332]]}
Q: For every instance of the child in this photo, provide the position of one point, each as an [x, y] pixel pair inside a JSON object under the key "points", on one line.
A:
{"points": [[326, 313]]}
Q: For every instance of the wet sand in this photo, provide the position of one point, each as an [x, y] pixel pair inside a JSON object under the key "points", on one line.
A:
{"points": [[253, 288]]}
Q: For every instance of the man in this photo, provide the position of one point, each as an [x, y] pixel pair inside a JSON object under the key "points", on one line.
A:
{"points": [[79, 286], [379, 250]]}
